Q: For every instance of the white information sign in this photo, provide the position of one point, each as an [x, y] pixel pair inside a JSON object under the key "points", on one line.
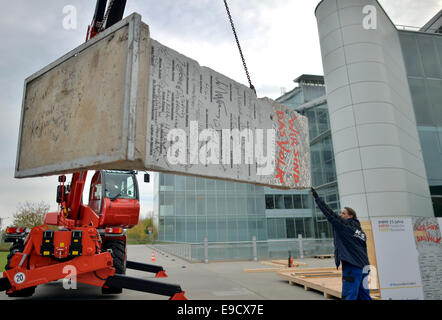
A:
{"points": [[397, 259]]}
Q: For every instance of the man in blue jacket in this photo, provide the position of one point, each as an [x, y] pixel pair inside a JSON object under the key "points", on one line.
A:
{"points": [[350, 248]]}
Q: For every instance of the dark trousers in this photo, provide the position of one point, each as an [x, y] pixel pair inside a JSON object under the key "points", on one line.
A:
{"points": [[353, 283]]}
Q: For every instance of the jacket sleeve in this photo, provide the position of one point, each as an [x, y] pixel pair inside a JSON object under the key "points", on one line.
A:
{"points": [[331, 216]]}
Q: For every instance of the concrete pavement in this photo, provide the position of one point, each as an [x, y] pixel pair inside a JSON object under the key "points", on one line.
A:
{"points": [[200, 281]]}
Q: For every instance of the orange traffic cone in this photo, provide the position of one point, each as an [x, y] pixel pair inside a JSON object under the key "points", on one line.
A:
{"points": [[153, 256]]}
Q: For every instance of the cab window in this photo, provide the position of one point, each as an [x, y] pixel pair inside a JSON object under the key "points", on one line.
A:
{"points": [[120, 186]]}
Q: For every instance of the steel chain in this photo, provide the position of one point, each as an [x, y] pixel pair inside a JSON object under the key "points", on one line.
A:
{"points": [[239, 47]]}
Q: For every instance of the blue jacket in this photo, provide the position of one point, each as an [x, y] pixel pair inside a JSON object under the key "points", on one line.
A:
{"points": [[349, 240]]}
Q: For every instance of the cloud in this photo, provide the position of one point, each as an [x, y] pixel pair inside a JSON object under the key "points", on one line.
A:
{"points": [[410, 12]]}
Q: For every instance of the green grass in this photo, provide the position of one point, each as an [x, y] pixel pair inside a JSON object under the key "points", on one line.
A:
{"points": [[3, 256], [5, 246]]}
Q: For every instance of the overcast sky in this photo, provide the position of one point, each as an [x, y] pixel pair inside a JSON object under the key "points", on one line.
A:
{"points": [[279, 40]]}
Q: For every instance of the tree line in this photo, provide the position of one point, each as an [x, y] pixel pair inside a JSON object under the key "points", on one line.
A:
{"points": [[31, 214]]}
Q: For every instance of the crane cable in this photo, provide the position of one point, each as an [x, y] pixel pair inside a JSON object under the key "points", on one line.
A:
{"points": [[239, 47]]}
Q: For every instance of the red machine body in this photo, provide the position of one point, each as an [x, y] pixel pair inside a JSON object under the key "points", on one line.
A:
{"points": [[113, 201], [90, 240]]}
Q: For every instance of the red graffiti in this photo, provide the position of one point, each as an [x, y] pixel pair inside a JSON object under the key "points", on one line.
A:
{"points": [[428, 238], [284, 149]]}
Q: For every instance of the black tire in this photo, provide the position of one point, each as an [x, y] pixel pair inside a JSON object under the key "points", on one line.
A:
{"points": [[118, 248], [18, 246]]}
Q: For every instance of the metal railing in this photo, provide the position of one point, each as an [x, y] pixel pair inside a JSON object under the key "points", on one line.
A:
{"points": [[248, 250]]}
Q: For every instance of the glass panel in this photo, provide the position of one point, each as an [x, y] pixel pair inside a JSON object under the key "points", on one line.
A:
{"points": [[221, 204], [169, 180], [312, 124], [242, 205], [262, 229], [210, 184], [180, 208], [438, 43], [180, 229], [297, 204], [323, 124], [231, 205], [308, 224], [429, 57], [161, 229], [279, 201], [288, 201], [201, 204], [200, 184], [221, 226], [306, 201], [271, 228], [260, 205], [429, 138], [201, 231], [252, 228], [211, 229], [242, 229], [169, 229], [190, 205], [190, 184], [420, 102], [331, 197], [290, 226], [299, 223], [191, 229], [411, 55], [435, 97], [251, 205], [220, 186], [270, 202], [281, 228], [180, 182]]}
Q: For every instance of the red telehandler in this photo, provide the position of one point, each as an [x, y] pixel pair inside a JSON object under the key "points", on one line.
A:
{"points": [[90, 239]]}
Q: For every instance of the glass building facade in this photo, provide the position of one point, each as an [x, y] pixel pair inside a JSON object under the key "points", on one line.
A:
{"points": [[423, 60], [191, 209]]}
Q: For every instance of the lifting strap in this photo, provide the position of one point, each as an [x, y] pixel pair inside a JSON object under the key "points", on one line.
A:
{"points": [[239, 47]]}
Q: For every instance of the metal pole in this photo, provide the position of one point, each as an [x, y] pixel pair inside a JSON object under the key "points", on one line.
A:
{"points": [[206, 250], [301, 249], [255, 250]]}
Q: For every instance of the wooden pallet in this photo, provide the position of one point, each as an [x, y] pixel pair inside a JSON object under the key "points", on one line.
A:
{"points": [[278, 265], [323, 256], [282, 263], [328, 281]]}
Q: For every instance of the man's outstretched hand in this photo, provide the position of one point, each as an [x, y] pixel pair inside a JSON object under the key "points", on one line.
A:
{"points": [[314, 193]]}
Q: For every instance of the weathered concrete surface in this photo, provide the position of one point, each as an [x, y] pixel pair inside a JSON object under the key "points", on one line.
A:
{"points": [[120, 100]]}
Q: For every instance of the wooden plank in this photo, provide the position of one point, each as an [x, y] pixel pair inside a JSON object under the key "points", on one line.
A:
{"points": [[371, 250], [278, 269], [310, 270], [330, 285], [279, 264], [323, 256]]}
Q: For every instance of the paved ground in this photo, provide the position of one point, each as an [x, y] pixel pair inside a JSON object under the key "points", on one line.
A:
{"points": [[212, 281]]}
